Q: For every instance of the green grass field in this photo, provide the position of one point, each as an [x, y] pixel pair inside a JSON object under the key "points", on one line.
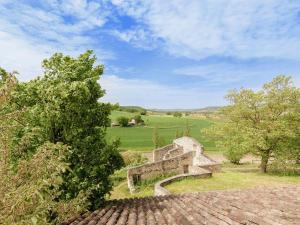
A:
{"points": [[139, 138], [239, 177], [231, 177]]}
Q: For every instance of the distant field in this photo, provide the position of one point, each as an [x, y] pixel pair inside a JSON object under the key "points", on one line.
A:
{"points": [[139, 138]]}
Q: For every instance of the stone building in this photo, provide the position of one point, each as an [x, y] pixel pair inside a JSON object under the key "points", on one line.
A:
{"points": [[184, 156]]}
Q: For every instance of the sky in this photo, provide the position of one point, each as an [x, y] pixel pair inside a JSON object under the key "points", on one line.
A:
{"points": [[158, 54]]}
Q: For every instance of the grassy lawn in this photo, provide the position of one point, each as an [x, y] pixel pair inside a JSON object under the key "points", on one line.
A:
{"points": [[231, 177], [139, 138]]}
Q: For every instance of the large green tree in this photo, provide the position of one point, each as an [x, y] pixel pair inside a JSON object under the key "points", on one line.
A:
{"points": [[62, 106], [265, 123]]}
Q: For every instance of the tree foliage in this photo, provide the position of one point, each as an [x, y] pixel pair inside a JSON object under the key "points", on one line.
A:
{"points": [[62, 108], [138, 119], [177, 114], [27, 193], [187, 131], [158, 140], [123, 121], [265, 123]]}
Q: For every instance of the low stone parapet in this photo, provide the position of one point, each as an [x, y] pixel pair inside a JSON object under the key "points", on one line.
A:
{"points": [[159, 186]]}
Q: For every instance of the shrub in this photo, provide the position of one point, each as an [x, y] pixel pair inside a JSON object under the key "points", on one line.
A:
{"points": [[144, 112], [133, 158], [158, 140], [138, 119], [123, 121], [234, 156], [177, 114]]}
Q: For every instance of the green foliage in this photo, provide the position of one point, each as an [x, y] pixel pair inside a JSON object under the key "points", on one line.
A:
{"points": [[265, 123], [63, 106], [284, 167], [144, 112], [123, 121], [234, 155], [177, 114], [178, 134], [133, 158], [187, 131], [27, 193], [138, 119], [133, 109], [158, 141]]}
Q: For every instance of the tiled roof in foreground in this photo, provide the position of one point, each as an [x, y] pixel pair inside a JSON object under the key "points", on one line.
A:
{"points": [[279, 205]]}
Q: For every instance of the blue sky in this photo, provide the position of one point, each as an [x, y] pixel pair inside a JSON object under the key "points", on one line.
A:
{"points": [[159, 54]]}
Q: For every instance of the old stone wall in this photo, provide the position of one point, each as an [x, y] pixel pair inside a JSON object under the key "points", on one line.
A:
{"points": [[148, 170], [188, 144], [159, 153], [173, 152]]}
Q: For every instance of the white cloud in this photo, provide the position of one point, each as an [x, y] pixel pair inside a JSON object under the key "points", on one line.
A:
{"points": [[241, 72], [244, 29], [139, 37], [29, 34], [153, 95]]}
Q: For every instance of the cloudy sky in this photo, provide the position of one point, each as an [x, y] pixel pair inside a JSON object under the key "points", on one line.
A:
{"points": [[158, 54]]}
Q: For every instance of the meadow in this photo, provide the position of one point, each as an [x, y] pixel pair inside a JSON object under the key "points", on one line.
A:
{"points": [[232, 177], [139, 138]]}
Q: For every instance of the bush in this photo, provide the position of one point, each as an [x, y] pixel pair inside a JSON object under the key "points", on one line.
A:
{"points": [[133, 158], [144, 113], [284, 167], [138, 119], [123, 121], [234, 156], [177, 114]]}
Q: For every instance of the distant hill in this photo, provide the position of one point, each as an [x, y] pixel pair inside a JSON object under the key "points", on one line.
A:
{"points": [[209, 109], [132, 109], [205, 109]]}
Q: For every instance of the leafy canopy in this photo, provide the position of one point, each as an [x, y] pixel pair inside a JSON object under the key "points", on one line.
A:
{"points": [[264, 123], [62, 107]]}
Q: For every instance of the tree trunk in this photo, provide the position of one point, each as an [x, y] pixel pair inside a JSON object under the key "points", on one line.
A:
{"points": [[264, 163]]}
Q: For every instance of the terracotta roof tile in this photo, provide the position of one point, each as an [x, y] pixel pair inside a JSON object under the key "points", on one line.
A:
{"points": [[279, 205]]}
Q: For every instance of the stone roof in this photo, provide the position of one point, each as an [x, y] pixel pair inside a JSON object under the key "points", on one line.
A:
{"points": [[279, 205]]}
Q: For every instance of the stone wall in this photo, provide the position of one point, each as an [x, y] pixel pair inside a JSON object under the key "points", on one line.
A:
{"points": [[173, 152], [159, 153], [148, 170], [184, 156], [188, 144], [159, 187]]}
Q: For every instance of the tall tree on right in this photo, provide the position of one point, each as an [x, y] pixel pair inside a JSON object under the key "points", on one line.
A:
{"points": [[265, 123]]}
